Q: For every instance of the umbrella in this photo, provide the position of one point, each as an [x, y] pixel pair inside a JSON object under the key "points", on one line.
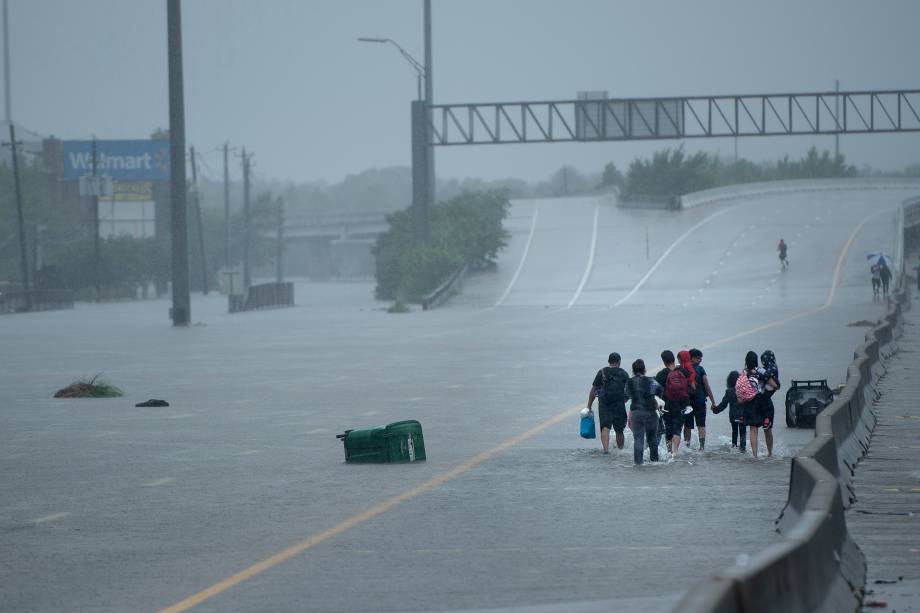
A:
{"points": [[878, 257]]}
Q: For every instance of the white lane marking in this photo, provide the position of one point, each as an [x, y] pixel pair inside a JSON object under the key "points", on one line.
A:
{"points": [[368, 413], [584, 277], [317, 431], [180, 416], [664, 255], [254, 451], [159, 482], [533, 225], [52, 517]]}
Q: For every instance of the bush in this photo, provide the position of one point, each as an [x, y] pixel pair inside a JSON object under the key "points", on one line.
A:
{"points": [[672, 173], [466, 229]]}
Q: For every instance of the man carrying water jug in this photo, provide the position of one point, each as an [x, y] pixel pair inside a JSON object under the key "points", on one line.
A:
{"points": [[609, 387]]}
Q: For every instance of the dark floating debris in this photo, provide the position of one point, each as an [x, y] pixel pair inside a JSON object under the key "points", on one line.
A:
{"points": [[153, 402]]}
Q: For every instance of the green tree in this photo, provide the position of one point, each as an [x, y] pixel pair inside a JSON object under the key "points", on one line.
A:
{"points": [[466, 229]]}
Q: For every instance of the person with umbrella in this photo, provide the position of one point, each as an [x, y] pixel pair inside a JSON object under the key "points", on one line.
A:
{"points": [[884, 273]]}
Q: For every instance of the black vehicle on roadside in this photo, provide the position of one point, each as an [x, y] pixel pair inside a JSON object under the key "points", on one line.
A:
{"points": [[805, 399]]}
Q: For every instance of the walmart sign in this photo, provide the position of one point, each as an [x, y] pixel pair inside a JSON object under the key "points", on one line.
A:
{"points": [[123, 160]]}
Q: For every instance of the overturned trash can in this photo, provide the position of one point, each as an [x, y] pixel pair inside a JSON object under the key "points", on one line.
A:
{"points": [[400, 441]]}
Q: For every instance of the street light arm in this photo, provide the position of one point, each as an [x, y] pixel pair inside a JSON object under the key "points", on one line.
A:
{"points": [[416, 65]]}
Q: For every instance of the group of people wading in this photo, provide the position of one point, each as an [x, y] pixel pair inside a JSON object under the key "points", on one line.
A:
{"points": [[673, 402]]}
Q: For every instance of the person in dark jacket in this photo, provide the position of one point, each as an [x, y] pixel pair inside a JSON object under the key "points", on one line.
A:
{"points": [[666, 420], [641, 390], [735, 412]]}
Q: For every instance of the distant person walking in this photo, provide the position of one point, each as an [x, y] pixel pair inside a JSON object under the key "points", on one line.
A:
{"points": [[783, 249], [885, 273], [735, 412], [641, 391], [609, 388], [876, 271]]}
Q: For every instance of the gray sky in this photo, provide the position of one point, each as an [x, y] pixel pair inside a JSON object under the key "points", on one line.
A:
{"points": [[287, 79]]}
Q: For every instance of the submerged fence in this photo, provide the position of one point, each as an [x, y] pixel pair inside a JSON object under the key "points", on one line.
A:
{"points": [[36, 300], [263, 296]]}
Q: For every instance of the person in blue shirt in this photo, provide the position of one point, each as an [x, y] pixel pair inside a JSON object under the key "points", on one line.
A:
{"points": [[698, 397]]}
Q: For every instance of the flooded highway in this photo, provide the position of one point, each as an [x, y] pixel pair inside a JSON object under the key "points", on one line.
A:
{"points": [[104, 506]]}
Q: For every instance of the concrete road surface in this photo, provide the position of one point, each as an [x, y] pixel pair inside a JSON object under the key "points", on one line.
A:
{"points": [[237, 497]]}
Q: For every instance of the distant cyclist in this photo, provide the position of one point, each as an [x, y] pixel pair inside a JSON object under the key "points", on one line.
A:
{"points": [[782, 248]]}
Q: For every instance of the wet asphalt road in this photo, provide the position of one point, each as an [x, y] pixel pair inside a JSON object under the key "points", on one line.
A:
{"points": [[107, 507]]}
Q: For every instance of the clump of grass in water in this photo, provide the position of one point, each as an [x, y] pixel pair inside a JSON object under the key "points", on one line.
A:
{"points": [[94, 388]]}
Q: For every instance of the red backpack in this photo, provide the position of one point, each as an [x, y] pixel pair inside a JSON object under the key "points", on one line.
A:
{"points": [[676, 386], [745, 389]]}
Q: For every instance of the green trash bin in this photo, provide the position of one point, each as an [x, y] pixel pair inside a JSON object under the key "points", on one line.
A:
{"points": [[400, 441]]}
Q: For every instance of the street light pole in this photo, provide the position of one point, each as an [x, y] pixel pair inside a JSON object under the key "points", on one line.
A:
{"points": [[422, 162]]}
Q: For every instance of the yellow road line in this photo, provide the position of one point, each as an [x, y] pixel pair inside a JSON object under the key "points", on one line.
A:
{"points": [[354, 520], [382, 507]]}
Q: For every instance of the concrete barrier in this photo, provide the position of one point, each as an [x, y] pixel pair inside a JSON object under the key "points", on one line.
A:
{"points": [[440, 295], [769, 188], [816, 566]]}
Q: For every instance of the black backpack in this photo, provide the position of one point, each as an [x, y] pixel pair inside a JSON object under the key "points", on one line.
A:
{"points": [[611, 389]]}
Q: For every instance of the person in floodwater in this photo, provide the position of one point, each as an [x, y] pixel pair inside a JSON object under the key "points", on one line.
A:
{"points": [[699, 395], [686, 367], [782, 248], [752, 415], [608, 387], [641, 391], [770, 385], [666, 423], [735, 412]]}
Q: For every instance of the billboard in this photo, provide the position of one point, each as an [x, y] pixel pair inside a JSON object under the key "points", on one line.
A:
{"points": [[123, 160]]}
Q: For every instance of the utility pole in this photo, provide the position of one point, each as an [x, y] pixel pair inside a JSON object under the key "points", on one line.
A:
{"points": [[279, 255], [429, 100], [227, 261], [204, 257], [181, 312], [6, 61], [23, 259], [97, 273], [246, 277]]}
